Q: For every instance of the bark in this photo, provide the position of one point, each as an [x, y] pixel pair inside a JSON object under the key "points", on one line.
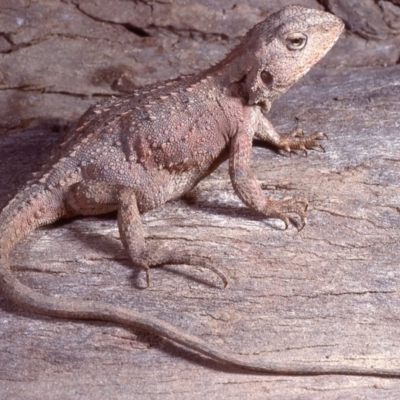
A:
{"points": [[325, 295]]}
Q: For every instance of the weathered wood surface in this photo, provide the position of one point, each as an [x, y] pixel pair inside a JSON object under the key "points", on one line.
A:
{"points": [[327, 294]]}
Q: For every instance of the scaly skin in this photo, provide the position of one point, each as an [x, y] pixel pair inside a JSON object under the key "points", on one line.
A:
{"points": [[133, 154]]}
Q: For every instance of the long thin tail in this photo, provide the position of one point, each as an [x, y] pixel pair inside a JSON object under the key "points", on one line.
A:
{"points": [[20, 217]]}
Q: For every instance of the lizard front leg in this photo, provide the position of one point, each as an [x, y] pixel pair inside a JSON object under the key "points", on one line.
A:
{"points": [[295, 140], [249, 191]]}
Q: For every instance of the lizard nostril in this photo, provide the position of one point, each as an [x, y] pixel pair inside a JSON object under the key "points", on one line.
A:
{"points": [[266, 77]]}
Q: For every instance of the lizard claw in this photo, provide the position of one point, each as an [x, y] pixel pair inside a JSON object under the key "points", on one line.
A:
{"points": [[288, 210], [324, 135], [296, 140], [176, 256], [147, 273], [148, 278]]}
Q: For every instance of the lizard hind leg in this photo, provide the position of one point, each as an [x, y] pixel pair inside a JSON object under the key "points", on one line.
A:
{"points": [[91, 198], [132, 237]]}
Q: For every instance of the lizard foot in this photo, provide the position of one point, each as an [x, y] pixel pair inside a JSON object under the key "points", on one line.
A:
{"points": [[296, 140], [158, 258], [289, 210]]}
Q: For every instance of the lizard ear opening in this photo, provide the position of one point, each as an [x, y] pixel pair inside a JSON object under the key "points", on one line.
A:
{"points": [[266, 77], [296, 41]]}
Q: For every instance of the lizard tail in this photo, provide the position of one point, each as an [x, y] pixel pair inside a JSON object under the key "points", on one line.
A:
{"points": [[21, 217], [31, 208]]}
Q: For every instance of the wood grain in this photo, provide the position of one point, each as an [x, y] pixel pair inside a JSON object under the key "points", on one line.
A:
{"points": [[327, 294]]}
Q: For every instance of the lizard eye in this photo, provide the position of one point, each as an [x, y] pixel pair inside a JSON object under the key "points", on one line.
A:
{"points": [[296, 41]]}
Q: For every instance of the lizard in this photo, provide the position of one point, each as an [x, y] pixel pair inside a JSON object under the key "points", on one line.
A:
{"points": [[131, 154]]}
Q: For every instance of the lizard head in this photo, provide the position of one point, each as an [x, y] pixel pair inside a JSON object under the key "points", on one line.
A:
{"points": [[282, 48]]}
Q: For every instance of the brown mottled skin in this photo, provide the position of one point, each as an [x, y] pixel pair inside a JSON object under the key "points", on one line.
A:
{"points": [[133, 154]]}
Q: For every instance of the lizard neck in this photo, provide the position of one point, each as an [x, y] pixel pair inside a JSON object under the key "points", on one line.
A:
{"points": [[231, 70], [237, 75]]}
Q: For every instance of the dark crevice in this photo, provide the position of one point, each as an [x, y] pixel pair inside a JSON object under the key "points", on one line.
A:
{"points": [[324, 4], [7, 37], [22, 88], [140, 32], [127, 25], [78, 95], [195, 34], [136, 30], [28, 88], [19, 46]]}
